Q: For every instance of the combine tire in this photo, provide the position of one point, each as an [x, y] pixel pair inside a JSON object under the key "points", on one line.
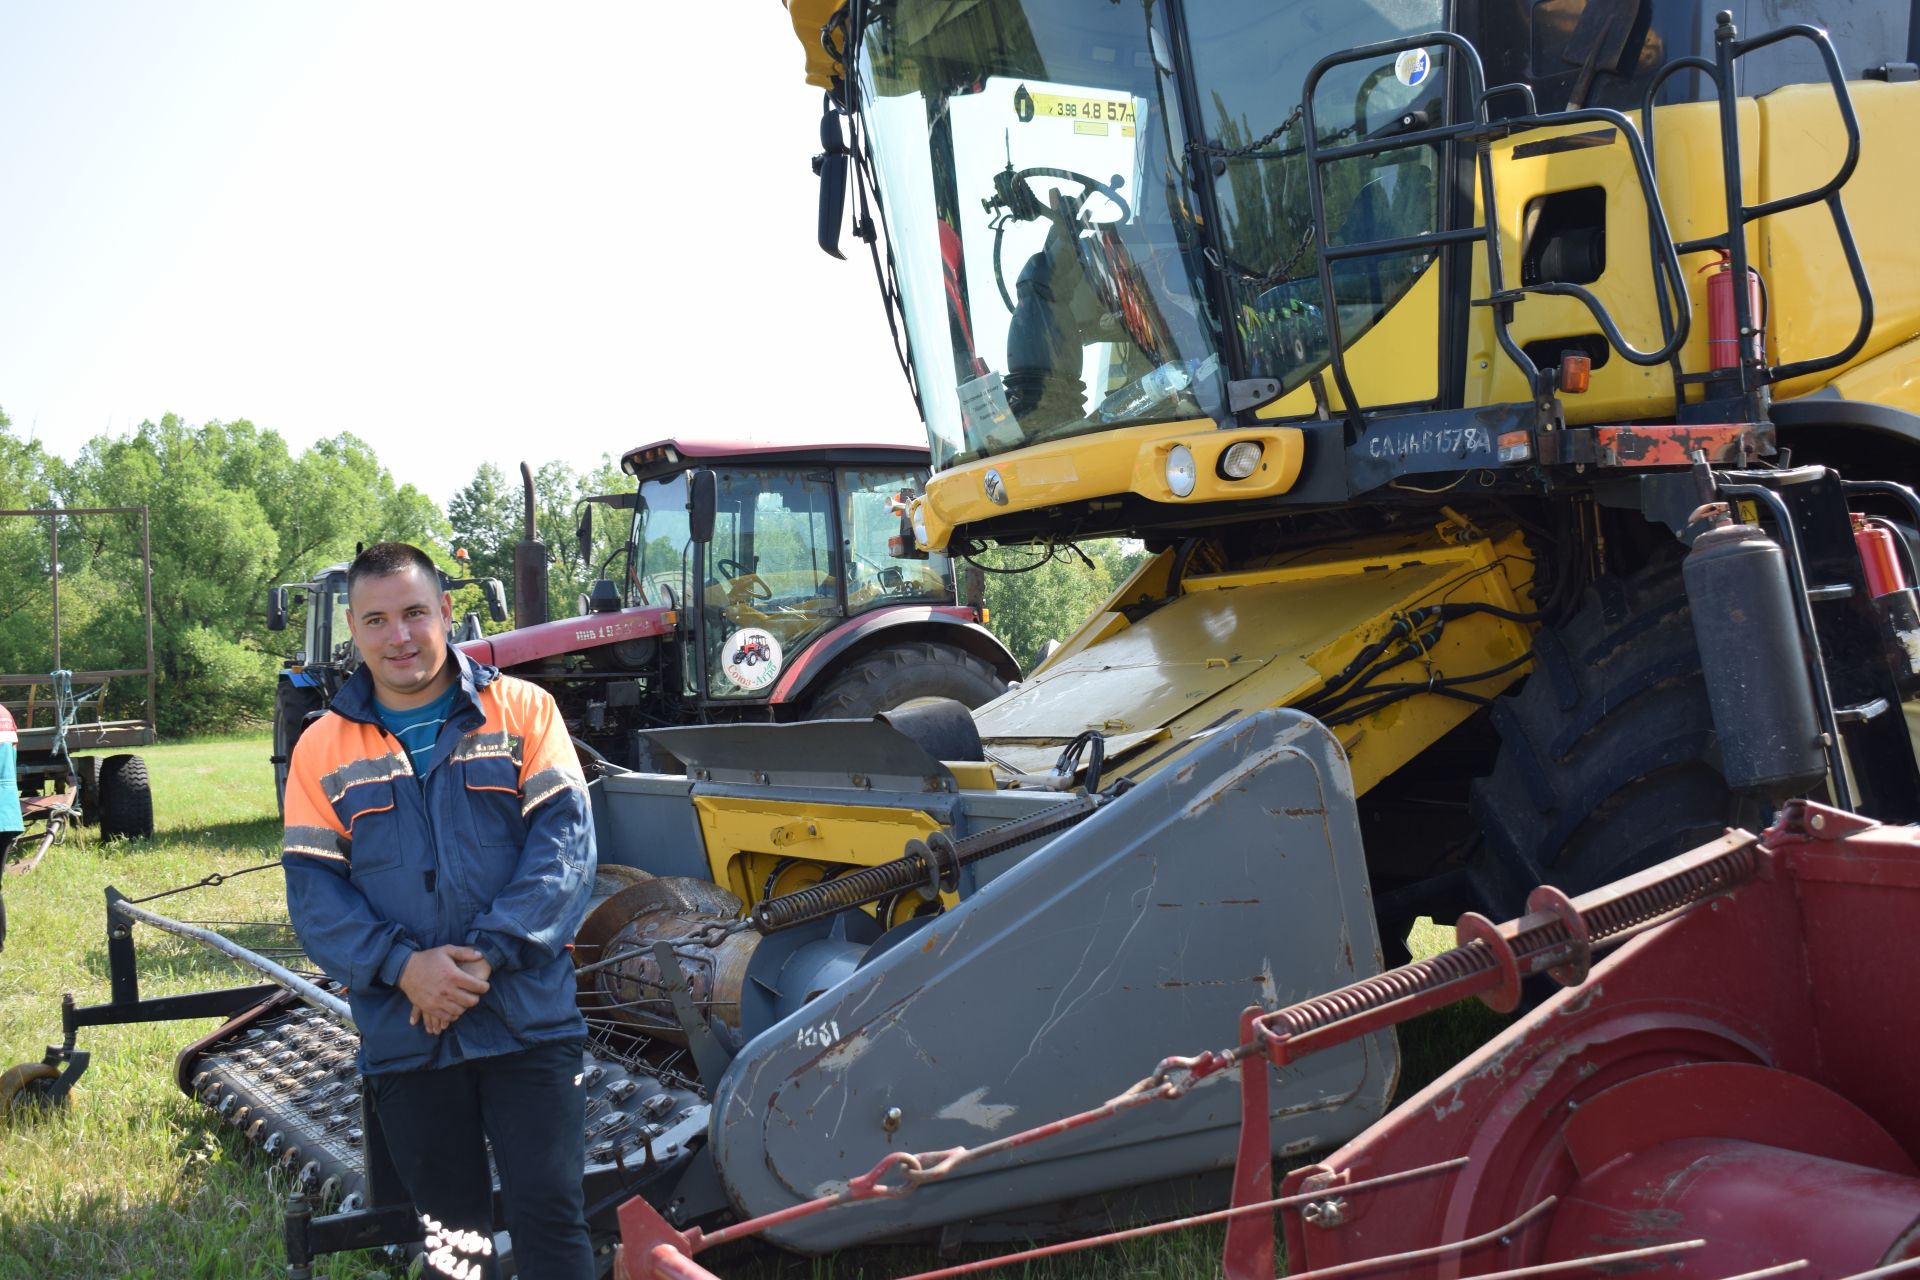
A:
{"points": [[292, 704], [126, 802], [1608, 761], [890, 678]]}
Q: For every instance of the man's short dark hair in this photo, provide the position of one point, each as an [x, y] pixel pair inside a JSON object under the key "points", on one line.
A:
{"points": [[384, 559]]}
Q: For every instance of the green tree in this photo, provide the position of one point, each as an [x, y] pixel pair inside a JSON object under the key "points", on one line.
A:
{"points": [[233, 512], [1050, 600], [485, 518]]}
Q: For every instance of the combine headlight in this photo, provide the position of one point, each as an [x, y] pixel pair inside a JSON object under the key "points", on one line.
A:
{"points": [[919, 516], [1240, 460], [1180, 470]]}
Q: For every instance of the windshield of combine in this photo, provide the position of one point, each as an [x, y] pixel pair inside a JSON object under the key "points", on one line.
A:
{"points": [[1034, 168], [1027, 161]]}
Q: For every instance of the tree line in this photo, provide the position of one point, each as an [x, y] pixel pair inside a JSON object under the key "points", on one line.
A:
{"points": [[233, 511]]}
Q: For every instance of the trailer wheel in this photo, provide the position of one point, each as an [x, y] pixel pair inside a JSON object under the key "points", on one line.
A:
{"points": [[292, 704], [26, 1087], [889, 678], [126, 801], [1608, 761]]}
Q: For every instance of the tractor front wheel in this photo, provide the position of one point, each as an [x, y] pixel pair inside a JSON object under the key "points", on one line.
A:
{"points": [[292, 704], [891, 678], [126, 799]]}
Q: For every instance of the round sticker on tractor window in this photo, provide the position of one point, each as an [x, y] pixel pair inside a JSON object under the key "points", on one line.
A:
{"points": [[751, 658], [1412, 67]]}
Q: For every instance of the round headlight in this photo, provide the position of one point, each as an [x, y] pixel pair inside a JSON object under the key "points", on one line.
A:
{"points": [[919, 516], [1240, 460], [1180, 470]]}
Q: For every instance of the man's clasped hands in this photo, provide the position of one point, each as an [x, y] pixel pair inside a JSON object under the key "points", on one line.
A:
{"points": [[443, 983]]}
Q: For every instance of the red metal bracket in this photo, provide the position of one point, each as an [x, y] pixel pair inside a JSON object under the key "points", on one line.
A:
{"points": [[1474, 927], [1547, 900]]}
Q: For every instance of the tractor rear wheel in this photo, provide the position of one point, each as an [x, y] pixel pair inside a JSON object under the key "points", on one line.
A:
{"points": [[292, 704], [126, 800], [890, 678], [1608, 761]]}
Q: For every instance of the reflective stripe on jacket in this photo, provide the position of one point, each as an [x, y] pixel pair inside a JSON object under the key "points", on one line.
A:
{"points": [[492, 849]]}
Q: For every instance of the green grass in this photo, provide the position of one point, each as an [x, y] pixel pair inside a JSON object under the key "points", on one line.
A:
{"points": [[134, 1179]]}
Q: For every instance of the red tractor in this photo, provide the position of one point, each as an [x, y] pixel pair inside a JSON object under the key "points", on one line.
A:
{"points": [[757, 582]]}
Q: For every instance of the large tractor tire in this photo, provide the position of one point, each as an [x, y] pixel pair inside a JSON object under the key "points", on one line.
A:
{"points": [[292, 704], [126, 800], [1608, 762], [890, 678]]}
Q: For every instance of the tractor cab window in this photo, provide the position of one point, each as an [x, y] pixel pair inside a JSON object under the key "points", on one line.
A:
{"points": [[658, 563], [1250, 61], [772, 576], [871, 518], [329, 641]]}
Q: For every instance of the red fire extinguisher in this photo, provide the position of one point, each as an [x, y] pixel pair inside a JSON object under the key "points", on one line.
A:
{"points": [[1723, 332]]}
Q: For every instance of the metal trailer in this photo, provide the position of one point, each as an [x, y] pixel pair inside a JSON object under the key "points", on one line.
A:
{"points": [[61, 713]]}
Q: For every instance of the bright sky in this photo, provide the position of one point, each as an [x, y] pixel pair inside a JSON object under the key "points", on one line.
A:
{"points": [[464, 232]]}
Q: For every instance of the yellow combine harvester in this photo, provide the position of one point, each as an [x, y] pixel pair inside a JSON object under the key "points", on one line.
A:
{"points": [[1482, 377]]}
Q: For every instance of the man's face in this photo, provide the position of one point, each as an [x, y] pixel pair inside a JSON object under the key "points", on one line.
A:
{"points": [[400, 625]]}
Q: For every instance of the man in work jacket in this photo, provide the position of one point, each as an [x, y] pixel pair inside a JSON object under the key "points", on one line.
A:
{"points": [[439, 856]]}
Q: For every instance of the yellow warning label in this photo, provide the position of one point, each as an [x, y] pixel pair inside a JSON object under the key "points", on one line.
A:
{"points": [[1061, 107], [1099, 128]]}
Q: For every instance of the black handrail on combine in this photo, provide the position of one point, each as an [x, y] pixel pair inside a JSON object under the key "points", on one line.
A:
{"points": [[1728, 49], [1480, 130]]}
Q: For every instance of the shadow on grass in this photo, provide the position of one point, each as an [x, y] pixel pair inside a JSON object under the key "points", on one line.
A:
{"points": [[219, 1220]]}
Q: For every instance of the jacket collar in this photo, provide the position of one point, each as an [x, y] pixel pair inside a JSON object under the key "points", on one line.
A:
{"points": [[355, 699]]}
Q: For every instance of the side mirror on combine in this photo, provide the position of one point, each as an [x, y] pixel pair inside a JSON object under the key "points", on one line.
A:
{"points": [[584, 532], [496, 594], [703, 502], [276, 608], [831, 165]]}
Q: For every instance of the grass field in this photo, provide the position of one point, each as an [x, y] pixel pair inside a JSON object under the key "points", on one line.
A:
{"points": [[136, 1180]]}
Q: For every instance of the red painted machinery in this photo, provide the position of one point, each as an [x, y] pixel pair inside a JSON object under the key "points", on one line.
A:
{"points": [[1722, 1096]]}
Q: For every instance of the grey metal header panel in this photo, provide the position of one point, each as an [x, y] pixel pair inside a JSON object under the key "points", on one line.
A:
{"points": [[866, 754]]}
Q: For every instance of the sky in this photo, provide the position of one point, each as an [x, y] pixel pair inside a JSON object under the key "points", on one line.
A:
{"points": [[465, 233]]}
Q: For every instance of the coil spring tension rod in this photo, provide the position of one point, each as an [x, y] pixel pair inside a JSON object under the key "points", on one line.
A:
{"points": [[1557, 937]]}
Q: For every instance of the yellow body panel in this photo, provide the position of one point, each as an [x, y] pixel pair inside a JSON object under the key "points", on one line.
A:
{"points": [[1270, 634], [1816, 309], [1891, 378], [1129, 460], [809, 16], [752, 844], [1394, 362], [1687, 162]]}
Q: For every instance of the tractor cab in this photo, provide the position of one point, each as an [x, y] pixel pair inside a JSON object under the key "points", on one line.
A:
{"points": [[763, 551], [326, 655]]}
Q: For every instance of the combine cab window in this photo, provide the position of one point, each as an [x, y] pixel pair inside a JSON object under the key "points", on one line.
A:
{"points": [[1250, 59], [1030, 162], [871, 521]]}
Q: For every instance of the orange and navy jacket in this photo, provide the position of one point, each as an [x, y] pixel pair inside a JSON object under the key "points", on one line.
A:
{"points": [[492, 849]]}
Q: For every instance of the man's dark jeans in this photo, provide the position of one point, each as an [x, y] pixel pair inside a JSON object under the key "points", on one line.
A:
{"points": [[531, 1107]]}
